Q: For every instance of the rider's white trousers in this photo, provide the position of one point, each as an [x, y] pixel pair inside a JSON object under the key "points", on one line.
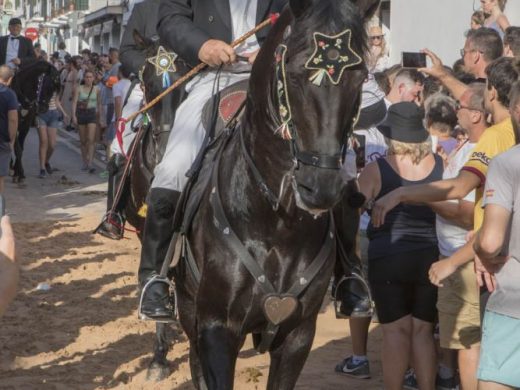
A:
{"points": [[187, 134]]}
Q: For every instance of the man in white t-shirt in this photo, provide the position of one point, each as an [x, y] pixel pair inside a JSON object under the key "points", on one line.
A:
{"points": [[458, 298]]}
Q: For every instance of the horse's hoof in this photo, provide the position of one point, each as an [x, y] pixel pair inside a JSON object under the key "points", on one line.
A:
{"points": [[157, 372]]}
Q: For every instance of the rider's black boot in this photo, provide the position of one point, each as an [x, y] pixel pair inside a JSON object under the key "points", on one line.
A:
{"points": [[113, 222], [158, 230]]}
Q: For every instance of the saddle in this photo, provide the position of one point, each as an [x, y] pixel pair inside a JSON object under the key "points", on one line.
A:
{"points": [[219, 117], [222, 107]]}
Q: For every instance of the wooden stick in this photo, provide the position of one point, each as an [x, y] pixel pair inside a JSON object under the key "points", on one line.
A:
{"points": [[199, 67]]}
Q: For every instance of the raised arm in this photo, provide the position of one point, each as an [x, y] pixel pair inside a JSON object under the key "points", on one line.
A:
{"points": [[437, 70]]}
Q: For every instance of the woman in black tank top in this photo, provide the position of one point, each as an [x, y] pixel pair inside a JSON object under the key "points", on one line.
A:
{"points": [[401, 251]]}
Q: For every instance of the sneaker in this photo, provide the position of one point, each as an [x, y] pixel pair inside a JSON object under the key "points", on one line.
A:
{"points": [[42, 174], [84, 168], [347, 367], [410, 381], [447, 384], [92, 170]]}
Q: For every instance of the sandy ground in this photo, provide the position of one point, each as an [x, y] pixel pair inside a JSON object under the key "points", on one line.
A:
{"points": [[83, 333]]}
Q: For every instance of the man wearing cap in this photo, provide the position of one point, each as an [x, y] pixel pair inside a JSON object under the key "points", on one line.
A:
{"points": [[15, 50]]}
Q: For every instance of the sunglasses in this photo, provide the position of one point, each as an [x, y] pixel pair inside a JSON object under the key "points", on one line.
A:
{"points": [[462, 107], [377, 37]]}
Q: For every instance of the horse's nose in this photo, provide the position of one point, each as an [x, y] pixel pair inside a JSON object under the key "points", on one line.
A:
{"points": [[319, 188]]}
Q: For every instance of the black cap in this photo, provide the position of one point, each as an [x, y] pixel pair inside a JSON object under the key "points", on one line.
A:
{"points": [[14, 21], [404, 123]]}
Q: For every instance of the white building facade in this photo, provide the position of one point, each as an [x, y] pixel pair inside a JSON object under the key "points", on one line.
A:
{"points": [[438, 25]]}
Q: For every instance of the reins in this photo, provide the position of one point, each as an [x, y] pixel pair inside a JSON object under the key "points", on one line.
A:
{"points": [[121, 122]]}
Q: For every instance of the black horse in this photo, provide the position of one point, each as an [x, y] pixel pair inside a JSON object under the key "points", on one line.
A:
{"points": [[34, 85], [152, 145], [257, 260]]}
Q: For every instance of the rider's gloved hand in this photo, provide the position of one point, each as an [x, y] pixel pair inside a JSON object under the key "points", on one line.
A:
{"points": [[215, 53]]}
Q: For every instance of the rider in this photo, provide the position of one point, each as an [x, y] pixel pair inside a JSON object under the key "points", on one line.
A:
{"points": [[198, 32], [143, 19]]}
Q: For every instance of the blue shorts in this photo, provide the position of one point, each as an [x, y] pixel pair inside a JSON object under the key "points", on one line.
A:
{"points": [[51, 118], [500, 350]]}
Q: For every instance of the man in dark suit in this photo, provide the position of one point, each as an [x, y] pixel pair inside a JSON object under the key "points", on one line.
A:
{"points": [[16, 50], [143, 19], [198, 31]]}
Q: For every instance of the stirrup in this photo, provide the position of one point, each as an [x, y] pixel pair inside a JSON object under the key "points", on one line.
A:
{"points": [[171, 288], [115, 219], [356, 277]]}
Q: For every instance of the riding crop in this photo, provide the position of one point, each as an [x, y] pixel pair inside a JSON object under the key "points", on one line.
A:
{"points": [[270, 21], [122, 122]]}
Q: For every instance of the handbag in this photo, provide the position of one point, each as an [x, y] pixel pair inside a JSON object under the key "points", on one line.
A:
{"points": [[82, 105]]}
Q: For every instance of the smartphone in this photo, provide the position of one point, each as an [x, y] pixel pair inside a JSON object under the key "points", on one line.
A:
{"points": [[413, 60], [359, 148]]}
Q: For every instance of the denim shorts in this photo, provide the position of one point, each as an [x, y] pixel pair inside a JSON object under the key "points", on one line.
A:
{"points": [[500, 350], [51, 118]]}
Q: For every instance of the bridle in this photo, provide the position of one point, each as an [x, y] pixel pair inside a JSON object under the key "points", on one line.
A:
{"points": [[287, 128]]}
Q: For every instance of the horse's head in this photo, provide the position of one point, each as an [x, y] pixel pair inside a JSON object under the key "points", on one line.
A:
{"points": [[317, 74], [161, 69], [35, 84]]}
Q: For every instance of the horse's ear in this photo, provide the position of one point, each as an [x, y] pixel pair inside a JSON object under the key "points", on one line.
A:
{"points": [[139, 40], [298, 7], [367, 8]]}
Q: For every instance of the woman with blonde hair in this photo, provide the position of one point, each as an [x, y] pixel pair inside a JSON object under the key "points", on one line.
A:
{"points": [[494, 13], [86, 108], [378, 59], [401, 251]]}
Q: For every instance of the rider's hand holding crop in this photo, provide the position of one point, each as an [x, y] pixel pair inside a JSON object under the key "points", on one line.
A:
{"points": [[216, 53]]}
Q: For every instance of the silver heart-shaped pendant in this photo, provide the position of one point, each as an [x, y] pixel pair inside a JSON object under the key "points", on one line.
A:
{"points": [[277, 309]]}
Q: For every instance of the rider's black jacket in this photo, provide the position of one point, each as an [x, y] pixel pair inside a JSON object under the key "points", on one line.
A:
{"points": [[143, 19], [185, 25]]}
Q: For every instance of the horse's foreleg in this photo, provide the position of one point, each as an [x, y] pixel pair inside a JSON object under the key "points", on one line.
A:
{"points": [[159, 368], [288, 359], [197, 376], [218, 349], [23, 130]]}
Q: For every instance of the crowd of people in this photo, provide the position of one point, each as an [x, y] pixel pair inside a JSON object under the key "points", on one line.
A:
{"points": [[436, 248], [441, 178], [85, 102]]}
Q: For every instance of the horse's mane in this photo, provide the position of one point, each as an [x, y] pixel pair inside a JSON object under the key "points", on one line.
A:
{"points": [[330, 17]]}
